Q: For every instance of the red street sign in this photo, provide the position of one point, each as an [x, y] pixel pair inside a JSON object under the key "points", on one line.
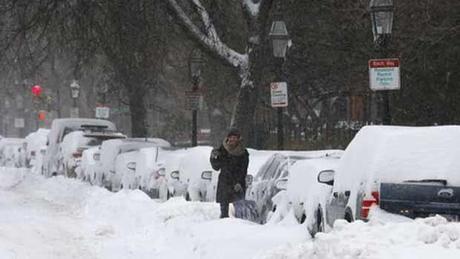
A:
{"points": [[393, 62]]}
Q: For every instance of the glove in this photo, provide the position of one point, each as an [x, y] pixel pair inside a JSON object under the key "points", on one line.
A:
{"points": [[215, 153], [237, 187]]}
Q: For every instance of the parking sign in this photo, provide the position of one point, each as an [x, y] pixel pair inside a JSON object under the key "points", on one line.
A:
{"points": [[384, 74], [279, 94]]}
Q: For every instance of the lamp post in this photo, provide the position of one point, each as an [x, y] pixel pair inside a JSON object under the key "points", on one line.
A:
{"points": [[195, 65], [75, 92], [381, 12], [280, 39]]}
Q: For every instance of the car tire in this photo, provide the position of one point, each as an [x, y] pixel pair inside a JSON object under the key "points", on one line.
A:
{"points": [[318, 226], [187, 196], [348, 215]]}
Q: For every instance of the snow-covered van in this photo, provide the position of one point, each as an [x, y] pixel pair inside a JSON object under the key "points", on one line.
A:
{"points": [[59, 129], [412, 171]]}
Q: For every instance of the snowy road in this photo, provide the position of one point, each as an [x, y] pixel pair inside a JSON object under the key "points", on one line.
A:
{"points": [[65, 218]]}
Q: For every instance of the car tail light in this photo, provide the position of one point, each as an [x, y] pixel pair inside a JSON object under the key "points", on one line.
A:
{"points": [[96, 156], [367, 203], [76, 154]]}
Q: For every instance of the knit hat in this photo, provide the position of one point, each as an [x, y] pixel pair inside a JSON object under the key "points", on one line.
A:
{"points": [[234, 132]]}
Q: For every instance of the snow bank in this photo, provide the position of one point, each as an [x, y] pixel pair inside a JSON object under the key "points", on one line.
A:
{"points": [[64, 218], [383, 237]]}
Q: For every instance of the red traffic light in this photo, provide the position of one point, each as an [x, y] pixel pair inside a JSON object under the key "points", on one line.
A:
{"points": [[36, 90]]}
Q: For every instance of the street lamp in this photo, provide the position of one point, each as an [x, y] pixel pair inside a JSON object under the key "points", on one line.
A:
{"points": [[195, 65], [280, 39], [382, 20], [75, 91], [381, 12]]}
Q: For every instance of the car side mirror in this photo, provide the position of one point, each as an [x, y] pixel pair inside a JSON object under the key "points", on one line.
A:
{"points": [[326, 177], [175, 175], [206, 175], [131, 166], [281, 184], [249, 179]]}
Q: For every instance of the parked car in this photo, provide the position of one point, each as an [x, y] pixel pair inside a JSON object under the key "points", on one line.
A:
{"points": [[148, 171], [108, 173], [272, 175], [302, 195], [196, 174], [86, 170], [36, 145], [13, 152], [74, 143], [59, 129], [410, 171]]}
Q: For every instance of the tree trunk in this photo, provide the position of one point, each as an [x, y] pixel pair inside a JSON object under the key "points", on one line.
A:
{"points": [[138, 111]]}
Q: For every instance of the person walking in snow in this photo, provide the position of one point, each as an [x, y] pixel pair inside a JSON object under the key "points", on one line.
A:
{"points": [[232, 159]]}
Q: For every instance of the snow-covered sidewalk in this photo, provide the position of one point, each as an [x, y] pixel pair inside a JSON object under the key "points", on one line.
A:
{"points": [[65, 218]]}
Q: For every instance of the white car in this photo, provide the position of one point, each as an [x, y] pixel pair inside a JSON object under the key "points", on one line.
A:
{"points": [[274, 171], [13, 152], [106, 169], [302, 195], [59, 129], [73, 145], [148, 172], [86, 170], [36, 145], [196, 173]]}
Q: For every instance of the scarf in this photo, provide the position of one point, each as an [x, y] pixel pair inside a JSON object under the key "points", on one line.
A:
{"points": [[238, 150]]}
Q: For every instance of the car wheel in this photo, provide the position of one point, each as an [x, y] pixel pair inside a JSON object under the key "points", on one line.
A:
{"points": [[348, 215], [187, 196], [318, 225], [303, 218]]}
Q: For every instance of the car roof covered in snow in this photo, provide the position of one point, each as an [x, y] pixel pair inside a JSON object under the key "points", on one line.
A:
{"points": [[397, 154], [58, 126]]}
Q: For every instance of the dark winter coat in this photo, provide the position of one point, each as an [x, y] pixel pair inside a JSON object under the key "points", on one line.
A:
{"points": [[233, 169]]}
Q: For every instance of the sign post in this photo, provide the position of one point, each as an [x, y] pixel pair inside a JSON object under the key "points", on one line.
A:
{"points": [[384, 75], [279, 99]]}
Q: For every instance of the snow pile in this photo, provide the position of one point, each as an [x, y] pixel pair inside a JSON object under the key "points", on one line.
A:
{"points": [[385, 236]]}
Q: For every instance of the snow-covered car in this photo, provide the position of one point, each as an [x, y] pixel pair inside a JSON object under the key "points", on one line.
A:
{"points": [[410, 171], [86, 170], [13, 152], [149, 171], [302, 195], [59, 129], [75, 143], [169, 160], [196, 173], [107, 173], [273, 174], [36, 145]]}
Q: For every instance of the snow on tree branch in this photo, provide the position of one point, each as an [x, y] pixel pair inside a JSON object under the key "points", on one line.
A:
{"points": [[252, 6], [209, 39]]}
